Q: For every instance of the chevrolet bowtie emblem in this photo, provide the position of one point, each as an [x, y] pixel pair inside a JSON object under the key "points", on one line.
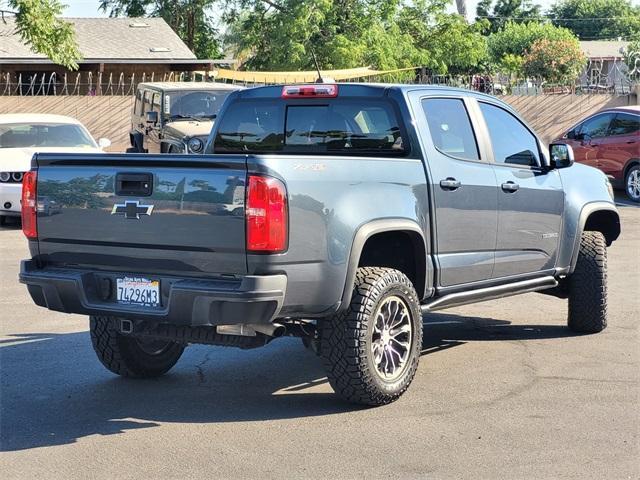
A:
{"points": [[131, 210]]}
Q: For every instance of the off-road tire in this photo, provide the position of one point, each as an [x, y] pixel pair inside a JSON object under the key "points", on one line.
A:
{"points": [[346, 338], [123, 355], [588, 286]]}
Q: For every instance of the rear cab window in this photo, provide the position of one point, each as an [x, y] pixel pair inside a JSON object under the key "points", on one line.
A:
{"points": [[342, 125]]}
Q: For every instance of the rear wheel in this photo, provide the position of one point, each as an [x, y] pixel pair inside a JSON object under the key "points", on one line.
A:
{"points": [[131, 356], [632, 183], [588, 286], [371, 350]]}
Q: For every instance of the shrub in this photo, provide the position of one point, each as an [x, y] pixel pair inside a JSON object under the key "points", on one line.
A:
{"points": [[557, 61]]}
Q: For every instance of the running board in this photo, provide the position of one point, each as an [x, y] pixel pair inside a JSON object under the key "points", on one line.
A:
{"points": [[489, 293]]}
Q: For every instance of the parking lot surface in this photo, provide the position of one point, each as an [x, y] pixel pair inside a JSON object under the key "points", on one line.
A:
{"points": [[504, 390]]}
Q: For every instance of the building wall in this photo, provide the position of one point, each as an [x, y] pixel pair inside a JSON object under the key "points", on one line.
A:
{"points": [[109, 116]]}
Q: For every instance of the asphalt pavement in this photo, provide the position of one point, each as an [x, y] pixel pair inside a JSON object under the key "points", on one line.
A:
{"points": [[504, 390]]}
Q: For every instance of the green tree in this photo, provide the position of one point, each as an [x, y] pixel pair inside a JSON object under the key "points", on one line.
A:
{"points": [[499, 12], [598, 19], [556, 61], [190, 19], [517, 38], [40, 27], [385, 34]]}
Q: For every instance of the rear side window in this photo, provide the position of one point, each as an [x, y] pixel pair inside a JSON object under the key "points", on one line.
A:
{"points": [[450, 127], [512, 142], [335, 127], [625, 124]]}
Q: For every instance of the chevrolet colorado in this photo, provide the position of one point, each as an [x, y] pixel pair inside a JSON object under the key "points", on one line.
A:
{"points": [[339, 213]]}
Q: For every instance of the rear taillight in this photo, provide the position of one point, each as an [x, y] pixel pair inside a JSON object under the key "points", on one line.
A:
{"points": [[29, 225], [320, 90], [266, 214]]}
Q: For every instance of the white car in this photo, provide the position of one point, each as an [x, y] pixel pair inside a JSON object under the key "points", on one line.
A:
{"points": [[22, 135]]}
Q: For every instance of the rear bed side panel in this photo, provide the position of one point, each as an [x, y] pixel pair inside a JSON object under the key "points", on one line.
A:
{"points": [[330, 199], [196, 227]]}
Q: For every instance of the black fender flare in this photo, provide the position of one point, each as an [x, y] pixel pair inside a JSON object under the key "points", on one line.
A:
{"points": [[366, 231]]}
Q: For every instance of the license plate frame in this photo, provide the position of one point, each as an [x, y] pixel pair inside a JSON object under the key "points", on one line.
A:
{"points": [[138, 291]]}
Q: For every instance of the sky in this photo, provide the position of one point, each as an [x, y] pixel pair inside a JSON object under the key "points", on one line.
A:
{"points": [[89, 8]]}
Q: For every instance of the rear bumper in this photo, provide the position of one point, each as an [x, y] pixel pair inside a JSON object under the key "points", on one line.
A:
{"points": [[10, 194], [185, 301]]}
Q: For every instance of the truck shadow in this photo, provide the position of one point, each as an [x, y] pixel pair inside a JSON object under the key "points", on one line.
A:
{"points": [[55, 392]]}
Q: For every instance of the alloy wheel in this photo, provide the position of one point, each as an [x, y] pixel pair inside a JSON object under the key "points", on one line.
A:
{"points": [[392, 338]]}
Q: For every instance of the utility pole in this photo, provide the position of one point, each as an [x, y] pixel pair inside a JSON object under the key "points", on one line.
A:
{"points": [[461, 5]]}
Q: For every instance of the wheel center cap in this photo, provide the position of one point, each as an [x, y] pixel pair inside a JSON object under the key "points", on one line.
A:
{"points": [[386, 337]]}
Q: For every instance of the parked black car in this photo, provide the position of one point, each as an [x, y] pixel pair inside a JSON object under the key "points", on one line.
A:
{"points": [[175, 117]]}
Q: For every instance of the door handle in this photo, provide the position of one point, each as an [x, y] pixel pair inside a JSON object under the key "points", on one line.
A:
{"points": [[134, 184], [450, 183], [510, 187]]}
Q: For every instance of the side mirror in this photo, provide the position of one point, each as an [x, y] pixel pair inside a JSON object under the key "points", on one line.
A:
{"points": [[104, 143], [152, 118], [561, 155]]}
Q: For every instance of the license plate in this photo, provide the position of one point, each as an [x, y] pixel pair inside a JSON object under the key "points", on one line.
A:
{"points": [[138, 291]]}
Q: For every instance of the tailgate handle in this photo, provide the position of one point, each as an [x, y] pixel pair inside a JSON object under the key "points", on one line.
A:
{"points": [[134, 184]]}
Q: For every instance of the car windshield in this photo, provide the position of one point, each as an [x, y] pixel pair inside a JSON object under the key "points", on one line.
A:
{"points": [[200, 104], [28, 135]]}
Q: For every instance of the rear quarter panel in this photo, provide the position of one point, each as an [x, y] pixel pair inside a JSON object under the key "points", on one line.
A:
{"points": [[330, 199]]}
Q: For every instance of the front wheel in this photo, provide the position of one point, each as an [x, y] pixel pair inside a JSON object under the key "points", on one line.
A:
{"points": [[632, 183], [130, 356], [588, 286], [371, 350]]}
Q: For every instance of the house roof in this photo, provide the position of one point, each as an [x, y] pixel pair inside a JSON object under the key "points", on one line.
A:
{"points": [[604, 49], [106, 40]]}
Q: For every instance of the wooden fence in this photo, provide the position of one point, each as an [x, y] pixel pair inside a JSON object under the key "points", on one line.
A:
{"points": [[110, 116]]}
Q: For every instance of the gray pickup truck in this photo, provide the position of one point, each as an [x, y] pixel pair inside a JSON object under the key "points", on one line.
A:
{"points": [[338, 213]]}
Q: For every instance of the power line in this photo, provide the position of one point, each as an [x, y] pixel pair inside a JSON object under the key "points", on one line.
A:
{"points": [[542, 17]]}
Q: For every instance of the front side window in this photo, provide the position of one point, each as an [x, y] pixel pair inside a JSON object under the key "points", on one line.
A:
{"points": [[137, 109], [625, 124], [339, 126], [147, 102], [22, 135], [596, 127], [512, 142], [450, 127], [155, 103]]}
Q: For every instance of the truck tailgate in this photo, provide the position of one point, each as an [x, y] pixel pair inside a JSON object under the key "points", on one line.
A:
{"points": [[142, 213]]}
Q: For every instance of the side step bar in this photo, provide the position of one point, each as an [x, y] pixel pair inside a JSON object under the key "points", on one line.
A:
{"points": [[489, 293]]}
